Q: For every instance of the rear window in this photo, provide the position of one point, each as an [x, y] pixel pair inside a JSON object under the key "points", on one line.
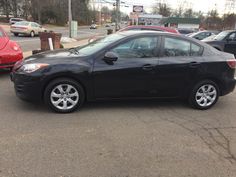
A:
{"points": [[24, 23], [16, 19]]}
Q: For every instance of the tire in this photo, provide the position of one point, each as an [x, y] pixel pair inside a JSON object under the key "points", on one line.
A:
{"points": [[57, 98], [32, 34], [16, 34], [204, 95]]}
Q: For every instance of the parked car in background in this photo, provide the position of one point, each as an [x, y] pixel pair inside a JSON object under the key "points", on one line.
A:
{"points": [[107, 25], [184, 31], [209, 38], [93, 26], [15, 20], [152, 28], [10, 51], [224, 41], [130, 64], [200, 35], [27, 28]]}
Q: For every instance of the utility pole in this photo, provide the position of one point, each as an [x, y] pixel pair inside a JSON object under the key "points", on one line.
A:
{"points": [[69, 17], [117, 13], [100, 13]]}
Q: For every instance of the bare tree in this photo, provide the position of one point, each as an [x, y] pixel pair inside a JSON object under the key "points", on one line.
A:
{"points": [[162, 9]]}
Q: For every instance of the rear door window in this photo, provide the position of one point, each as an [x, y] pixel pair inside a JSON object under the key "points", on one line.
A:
{"points": [[174, 47], [196, 50], [34, 25]]}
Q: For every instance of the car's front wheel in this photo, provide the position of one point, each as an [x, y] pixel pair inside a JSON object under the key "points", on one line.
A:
{"points": [[204, 95], [64, 95]]}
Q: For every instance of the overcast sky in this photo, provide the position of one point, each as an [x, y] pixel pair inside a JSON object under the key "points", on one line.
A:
{"points": [[197, 5]]}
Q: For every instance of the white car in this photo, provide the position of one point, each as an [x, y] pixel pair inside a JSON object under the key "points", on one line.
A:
{"points": [[27, 28]]}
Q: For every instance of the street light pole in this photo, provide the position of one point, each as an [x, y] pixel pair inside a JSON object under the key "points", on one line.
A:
{"points": [[69, 17], [117, 13]]}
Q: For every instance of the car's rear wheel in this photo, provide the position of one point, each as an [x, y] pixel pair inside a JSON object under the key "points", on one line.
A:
{"points": [[204, 95], [16, 34], [32, 34], [64, 95]]}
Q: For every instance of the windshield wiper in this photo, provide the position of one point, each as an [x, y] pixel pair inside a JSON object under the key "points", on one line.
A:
{"points": [[74, 50]]}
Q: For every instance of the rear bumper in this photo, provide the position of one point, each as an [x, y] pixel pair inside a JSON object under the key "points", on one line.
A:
{"points": [[20, 32], [228, 87]]}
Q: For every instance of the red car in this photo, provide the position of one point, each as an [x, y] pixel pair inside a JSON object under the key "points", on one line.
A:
{"points": [[10, 51], [152, 28]]}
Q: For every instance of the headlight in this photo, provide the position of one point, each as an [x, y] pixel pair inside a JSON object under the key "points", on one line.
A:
{"points": [[29, 68]]}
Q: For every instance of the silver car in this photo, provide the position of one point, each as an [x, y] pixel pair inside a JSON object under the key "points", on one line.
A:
{"points": [[27, 28]]}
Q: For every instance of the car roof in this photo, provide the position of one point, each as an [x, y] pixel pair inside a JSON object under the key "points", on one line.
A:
{"points": [[143, 32], [229, 31], [138, 33], [152, 27]]}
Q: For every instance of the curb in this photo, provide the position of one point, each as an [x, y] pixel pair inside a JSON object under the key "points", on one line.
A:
{"points": [[66, 45]]}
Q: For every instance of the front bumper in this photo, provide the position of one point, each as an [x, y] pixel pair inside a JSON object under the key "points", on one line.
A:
{"points": [[27, 88]]}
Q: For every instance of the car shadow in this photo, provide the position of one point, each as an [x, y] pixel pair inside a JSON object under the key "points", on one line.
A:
{"points": [[110, 105], [135, 103], [4, 72]]}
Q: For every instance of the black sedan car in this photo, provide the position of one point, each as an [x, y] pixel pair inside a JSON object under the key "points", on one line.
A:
{"points": [[130, 64], [224, 41]]}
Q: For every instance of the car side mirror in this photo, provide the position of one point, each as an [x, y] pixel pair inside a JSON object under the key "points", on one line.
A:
{"points": [[110, 57]]}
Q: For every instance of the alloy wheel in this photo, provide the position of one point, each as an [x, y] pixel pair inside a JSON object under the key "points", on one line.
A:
{"points": [[206, 95], [64, 97]]}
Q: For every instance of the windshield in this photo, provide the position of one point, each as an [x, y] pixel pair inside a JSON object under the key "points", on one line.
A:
{"points": [[99, 44], [24, 23], [221, 36]]}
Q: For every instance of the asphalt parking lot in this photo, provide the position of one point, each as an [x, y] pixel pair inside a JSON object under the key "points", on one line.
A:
{"points": [[116, 139]]}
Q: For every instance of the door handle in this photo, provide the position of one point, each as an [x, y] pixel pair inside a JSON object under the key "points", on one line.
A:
{"points": [[148, 67], [194, 64]]}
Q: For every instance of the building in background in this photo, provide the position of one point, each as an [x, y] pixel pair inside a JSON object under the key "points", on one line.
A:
{"points": [[178, 22], [144, 19], [149, 19]]}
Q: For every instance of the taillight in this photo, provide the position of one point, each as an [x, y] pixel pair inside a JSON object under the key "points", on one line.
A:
{"points": [[232, 63]]}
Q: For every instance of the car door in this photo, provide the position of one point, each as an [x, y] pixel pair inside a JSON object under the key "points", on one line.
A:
{"points": [[35, 28], [178, 66], [133, 72], [230, 45]]}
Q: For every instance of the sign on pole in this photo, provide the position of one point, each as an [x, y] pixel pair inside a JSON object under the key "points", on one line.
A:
{"points": [[138, 9]]}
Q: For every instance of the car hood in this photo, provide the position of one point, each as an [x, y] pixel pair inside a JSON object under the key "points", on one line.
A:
{"points": [[55, 57]]}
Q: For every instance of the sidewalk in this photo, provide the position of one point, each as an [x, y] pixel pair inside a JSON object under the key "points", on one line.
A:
{"points": [[66, 45]]}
